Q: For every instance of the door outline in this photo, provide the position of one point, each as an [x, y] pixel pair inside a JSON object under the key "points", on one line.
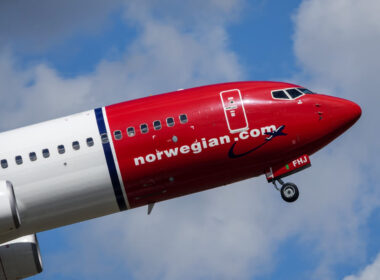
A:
{"points": [[226, 108]]}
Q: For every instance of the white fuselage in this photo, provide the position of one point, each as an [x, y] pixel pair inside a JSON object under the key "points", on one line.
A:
{"points": [[63, 188]]}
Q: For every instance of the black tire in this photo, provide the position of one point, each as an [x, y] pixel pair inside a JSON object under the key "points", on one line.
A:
{"points": [[289, 192]]}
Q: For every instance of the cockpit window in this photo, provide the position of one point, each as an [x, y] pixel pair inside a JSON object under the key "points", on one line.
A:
{"points": [[294, 93], [305, 90], [279, 94]]}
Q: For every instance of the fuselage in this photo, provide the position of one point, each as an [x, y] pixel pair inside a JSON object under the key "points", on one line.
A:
{"points": [[156, 148]]}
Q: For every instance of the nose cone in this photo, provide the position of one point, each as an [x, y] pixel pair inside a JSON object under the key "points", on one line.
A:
{"points": [[349, 113], [340, 114], [333, 116], [356, 111]]}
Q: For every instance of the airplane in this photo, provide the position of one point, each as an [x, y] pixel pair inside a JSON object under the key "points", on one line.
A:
{"points": [[140, 152], [277, 132]]}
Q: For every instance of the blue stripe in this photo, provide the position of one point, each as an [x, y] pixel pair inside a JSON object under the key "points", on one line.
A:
{"points": [[110, 162]]}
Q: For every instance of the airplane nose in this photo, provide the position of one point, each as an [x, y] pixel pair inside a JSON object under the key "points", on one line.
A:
{"points": [[357, 111], [334, 116], [341, 113], [351, 112]]}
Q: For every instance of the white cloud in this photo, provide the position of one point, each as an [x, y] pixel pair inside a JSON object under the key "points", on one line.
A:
{"points": [[37, 94], [188, 238], [162, 58], [371, 272], [336, 43]]}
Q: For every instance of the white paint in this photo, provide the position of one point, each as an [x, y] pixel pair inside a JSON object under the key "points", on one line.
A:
{"points": [[227, 110], [48, 193]]}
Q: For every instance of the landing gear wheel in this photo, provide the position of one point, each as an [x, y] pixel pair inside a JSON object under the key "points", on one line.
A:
{"points": [[289, 192]]}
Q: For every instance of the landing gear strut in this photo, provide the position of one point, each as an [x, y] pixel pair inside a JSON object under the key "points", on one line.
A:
{"points": [[289, 191]]}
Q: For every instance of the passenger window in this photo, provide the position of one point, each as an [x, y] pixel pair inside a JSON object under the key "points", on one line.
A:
{"points": [[170, 122], [144, 128], [183, 118], [45, 153], [157, 125], [117, 134], [279, 94], [18, 160], [4, 163], [32, 156], [61, 149], [90, 142], [104, 138], [294, 93], [76, 145], [131, 131]]}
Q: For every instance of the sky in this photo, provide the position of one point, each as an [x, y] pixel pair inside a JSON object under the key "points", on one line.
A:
{"points": [[59, 58]]}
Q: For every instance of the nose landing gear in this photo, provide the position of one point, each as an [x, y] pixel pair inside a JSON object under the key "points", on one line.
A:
{"points": [[289, 191]]}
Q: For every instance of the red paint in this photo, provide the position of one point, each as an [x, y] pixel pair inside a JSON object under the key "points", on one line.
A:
{"points": [[165, 169], [287, 169]]}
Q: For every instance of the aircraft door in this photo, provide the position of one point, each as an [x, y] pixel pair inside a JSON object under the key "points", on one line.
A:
{"points": [[234, 110]]}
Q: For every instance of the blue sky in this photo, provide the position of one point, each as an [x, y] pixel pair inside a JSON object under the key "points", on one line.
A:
{"points": [[57, 60]]}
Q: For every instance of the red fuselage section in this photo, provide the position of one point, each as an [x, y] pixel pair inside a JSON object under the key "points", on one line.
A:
{"points": [[191, 140]]}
